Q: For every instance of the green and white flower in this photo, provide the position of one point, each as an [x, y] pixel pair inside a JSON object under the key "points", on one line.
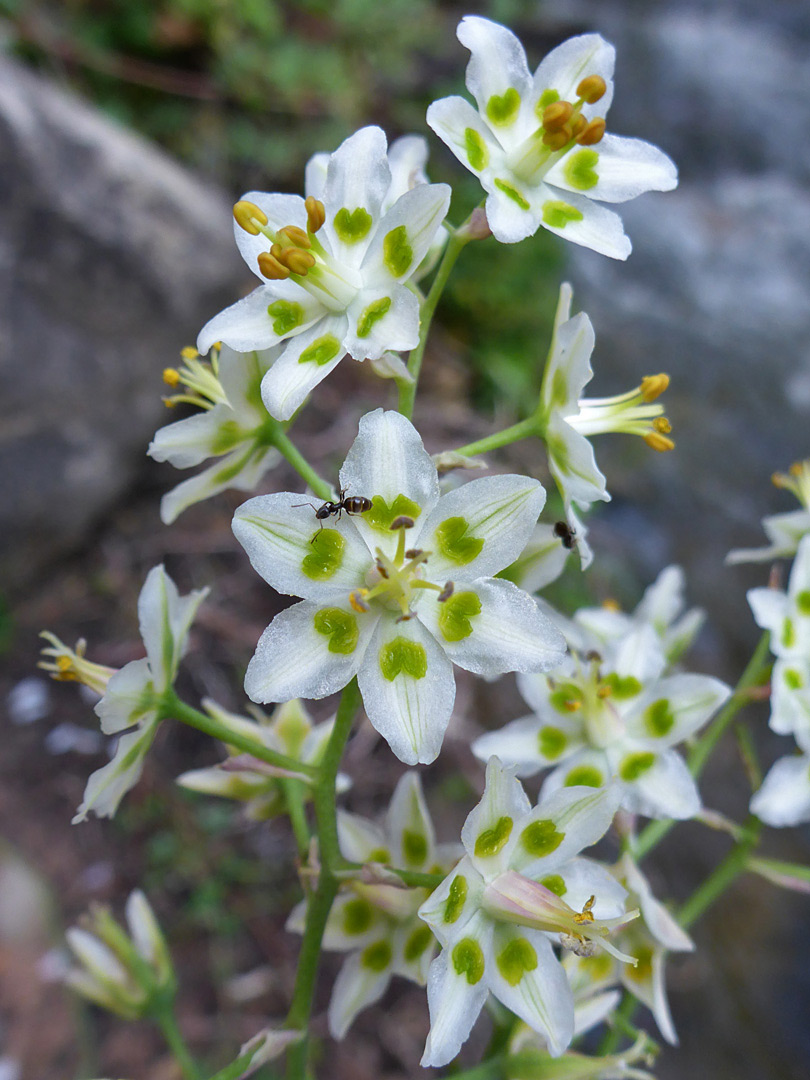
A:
{"points": [[786, 615], [130, 701], [234, 427], [120, 971], [398, 594], [542, 560], [783, 530], [288, 730], [334, 272], [520, 886], [611, 718], [784, 797], [377, 923], [568, 420], [537, 142]]}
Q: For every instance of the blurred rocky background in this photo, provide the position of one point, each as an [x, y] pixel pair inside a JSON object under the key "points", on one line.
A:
{"points": [[126, 130]]}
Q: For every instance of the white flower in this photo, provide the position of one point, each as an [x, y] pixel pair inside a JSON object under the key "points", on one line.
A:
{"points": [[568, 420], [612, 719], [544, 557], [376, 923], [121, 973], [520, 886], [131, 697], [334, 272], [784, 798], [234, 426], [783, 530], [289, 731], [537, 143], [662, 607], [398, 594], [407, 160]]}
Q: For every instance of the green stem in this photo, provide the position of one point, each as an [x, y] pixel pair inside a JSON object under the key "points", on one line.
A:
{"points": [[722, 876], [621, 1019], [294, 797], [320, 903], [522, 430], [455, 244], [172, 708], [487, 1070], [165, 1019], [319, 486], [416, 880], [699, 755]]}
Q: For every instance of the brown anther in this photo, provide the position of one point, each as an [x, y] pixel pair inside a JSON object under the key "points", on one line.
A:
{"points": [[593, 133], [413, 553], [401, 522], [658, 442], [593, 657], [171, 376], [316, 214], [405, 618], [578, 125], [271, 268], [357, 601], [446, 592], [556, 140], [298, 237], [297, 260], [247, 214], [557, 114], [662, 425], [652, 386], [381, 570], [592, 88]]}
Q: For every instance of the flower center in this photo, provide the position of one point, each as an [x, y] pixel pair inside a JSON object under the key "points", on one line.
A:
{"points": [[199, 377], [70, 665], [394, 583], [797, 480], [562, 125]]}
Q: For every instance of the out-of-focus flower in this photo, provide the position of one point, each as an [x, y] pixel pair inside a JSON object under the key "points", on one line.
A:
{"points": [[783, 530]]}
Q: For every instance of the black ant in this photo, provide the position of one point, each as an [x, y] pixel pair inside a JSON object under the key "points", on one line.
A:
{"points": [[567, 536], [352, 504]]}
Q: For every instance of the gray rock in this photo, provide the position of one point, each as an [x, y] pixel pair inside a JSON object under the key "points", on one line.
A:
{"points": [[111, 257]]}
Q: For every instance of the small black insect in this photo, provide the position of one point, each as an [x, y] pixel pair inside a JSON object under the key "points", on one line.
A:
{"points": [[566, 534], [352, 504]]}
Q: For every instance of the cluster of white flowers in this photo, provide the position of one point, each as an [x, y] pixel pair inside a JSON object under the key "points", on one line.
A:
{"points": [[398, 580]]}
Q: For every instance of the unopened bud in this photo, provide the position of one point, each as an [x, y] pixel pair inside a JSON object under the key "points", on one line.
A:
{"points": [[271, 268], [478, 226], [592, 88], [316, 214], [247, 214]]}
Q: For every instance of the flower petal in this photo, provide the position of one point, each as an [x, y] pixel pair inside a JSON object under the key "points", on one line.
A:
{"points": [[241, 471], [353, 923], [240, 375], [298, 554], [656, 785], [248, 324], [790, 697], [529, 744], [450, 906], [108, 785], [486, 832], [408, 689], [315, 175], [382, 318], [407, 158], [502, 630], [387, 462], [457, 991], [405, 234], [784, 798], [514, 211], [464, 132], [672, 709], [580, 879], [572, 463], [165, 618], [530, 981], [360, 982], [567, 65], [128, 698], [559, 827], [409, 826], [357, 179], [360, 839], [614, 170], [480, 527], [541, 561], [568, 369], [295, 659], [496, 67], [305, 362], [576, 218], [189, 442]]}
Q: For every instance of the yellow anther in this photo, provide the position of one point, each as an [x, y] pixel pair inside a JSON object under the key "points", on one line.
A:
{"points": [[658, 442], [662, 425], [587, 913], [271, 268], [188, 352], [781, 480], [167, 401], [593, 133], [611, 605], [797, 468], [572, 705], [298, 261], [557, 114], [247, 214], [604, 692], [357, 600], [316, 214], [578, 125], [298, 237], [276, 251], [556, 140], [171, 376], [592, 88], [652, 386]]}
